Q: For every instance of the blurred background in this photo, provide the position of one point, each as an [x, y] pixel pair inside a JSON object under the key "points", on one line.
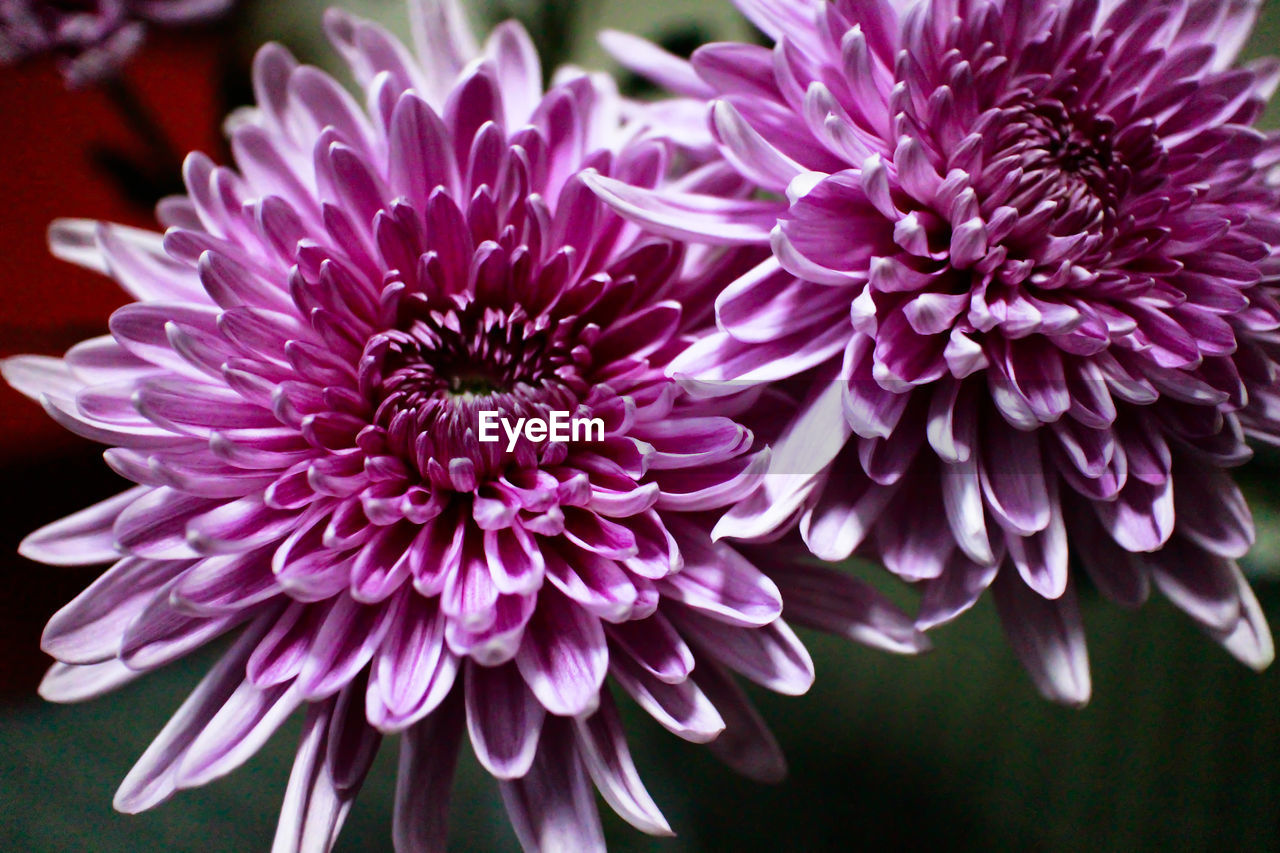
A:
{"points": [[1179, 750]]}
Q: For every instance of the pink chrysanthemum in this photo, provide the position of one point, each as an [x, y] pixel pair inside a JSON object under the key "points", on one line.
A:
{"points": [[1026, 263], [297, 393], [91, 39]]}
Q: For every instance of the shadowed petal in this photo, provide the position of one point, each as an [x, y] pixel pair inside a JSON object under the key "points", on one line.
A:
{"points": [[504, 719], [1048, 637], [552, 807]]}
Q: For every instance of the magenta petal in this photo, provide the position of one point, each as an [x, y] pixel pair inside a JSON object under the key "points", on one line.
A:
{"points": [[91, 628], [553, 807], [1204, 586], [470, 597], [1048, 637], [713, 486], [504, 719], [682, 709], [1249, 640], [73, 683], [658, 554], [761, 305], [871, 411], [746, 745], [599, 585], [807, 446], [687, 215], [1041, 558], [604, 751], [710, 363], [598, 535], [721, 583], [515, 560], [1013, 480], [333, 758], [833, 601], [40, 376], [280, 655], [162, 632], [655, 646], [957, 589], [312, 812], [428, 756], [82, 538], [382, 565], [665, 69], [499, 642], [1118, 574], [153, 778], [236, 732], [817, 226], [155, 525], [412, 671], [238, 526], [342, 646], [751, 153], [563, 657], [220, 585], [1140, 519], [847, 509], [1211, 511], [771, 656]]}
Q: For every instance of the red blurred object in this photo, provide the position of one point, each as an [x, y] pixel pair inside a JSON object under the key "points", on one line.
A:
{"points": [[48, 172]]}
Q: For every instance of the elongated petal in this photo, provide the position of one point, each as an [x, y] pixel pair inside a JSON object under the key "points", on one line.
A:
{"points": [[1048, 637], [75, 683], [683, 709], [91, 629], [504, 719], [83, 538], [746, 745], [153, 778], [771, 656], [603, 748], [552, 807], [833, 601], [564, 657], [333, 758], [688, 216]]}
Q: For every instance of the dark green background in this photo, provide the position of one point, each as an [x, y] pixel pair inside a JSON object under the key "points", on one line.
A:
{"points": [[1179, 750]]}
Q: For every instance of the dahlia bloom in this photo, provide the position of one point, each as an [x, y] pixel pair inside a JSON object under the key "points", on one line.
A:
{"points": [[297, 393], [91, 38], [1024, 263]]}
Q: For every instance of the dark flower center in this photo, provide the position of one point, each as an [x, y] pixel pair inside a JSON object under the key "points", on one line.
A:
{"points": [[1069, 157], [429, 379], [469, 351], [1079, 154]]}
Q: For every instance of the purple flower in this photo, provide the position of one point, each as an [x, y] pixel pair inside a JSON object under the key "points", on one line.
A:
{"points": [[1025, 269], [300, 393], [91, 39]]}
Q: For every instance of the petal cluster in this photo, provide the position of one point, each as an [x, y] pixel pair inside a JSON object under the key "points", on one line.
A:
{"points": [[91, 39], [296, 393], [1024, 260]]}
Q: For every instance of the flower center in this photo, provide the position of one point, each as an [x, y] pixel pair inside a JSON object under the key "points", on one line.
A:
{"points": [[429, 378], [1069, 158], [465, 354]]}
